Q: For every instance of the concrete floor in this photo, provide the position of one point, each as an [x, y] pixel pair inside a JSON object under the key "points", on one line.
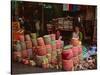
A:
{"points": [[19, 68]]}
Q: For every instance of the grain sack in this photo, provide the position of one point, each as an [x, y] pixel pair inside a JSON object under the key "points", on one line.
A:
{"points": [[45, 63], [24, 53], [53, 37], [30, 53], [80, 57], [53, 47], [16, 54], [59, 58], [47, 39], [39, 60], [75, 51], [27, 37], [54, 54], [59, 54], [34, 50], [34, 41], [62, 44], [75, 42], [40, 41], [58, 44], [79, 49], [18, 46], [67, 47], [49, 57], [53, 44], [33, 35], [41, 50], [54, 61], [49, 48], [23, 45], [28, 44], [45, 66], [21, 38], [54, 57], [68, 64], [67, 54], [19, 59], [75, 60]]}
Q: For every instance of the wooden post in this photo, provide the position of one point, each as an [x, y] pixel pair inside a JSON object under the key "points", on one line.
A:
{"points": [[42, 26]]}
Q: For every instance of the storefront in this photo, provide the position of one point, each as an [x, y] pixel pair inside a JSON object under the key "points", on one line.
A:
{"points": [[51, 37]]}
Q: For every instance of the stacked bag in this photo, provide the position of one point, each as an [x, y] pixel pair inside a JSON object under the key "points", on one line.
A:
{"points": [[23, 50], [72, 55], [47, 52], [43, 51]]}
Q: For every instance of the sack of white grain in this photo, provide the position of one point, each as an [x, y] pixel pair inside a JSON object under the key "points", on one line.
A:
{"points": [[27, 37], [47, 39]]}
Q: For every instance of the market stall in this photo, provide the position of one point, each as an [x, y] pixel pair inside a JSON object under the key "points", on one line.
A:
{"points": [[52, 39]]}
